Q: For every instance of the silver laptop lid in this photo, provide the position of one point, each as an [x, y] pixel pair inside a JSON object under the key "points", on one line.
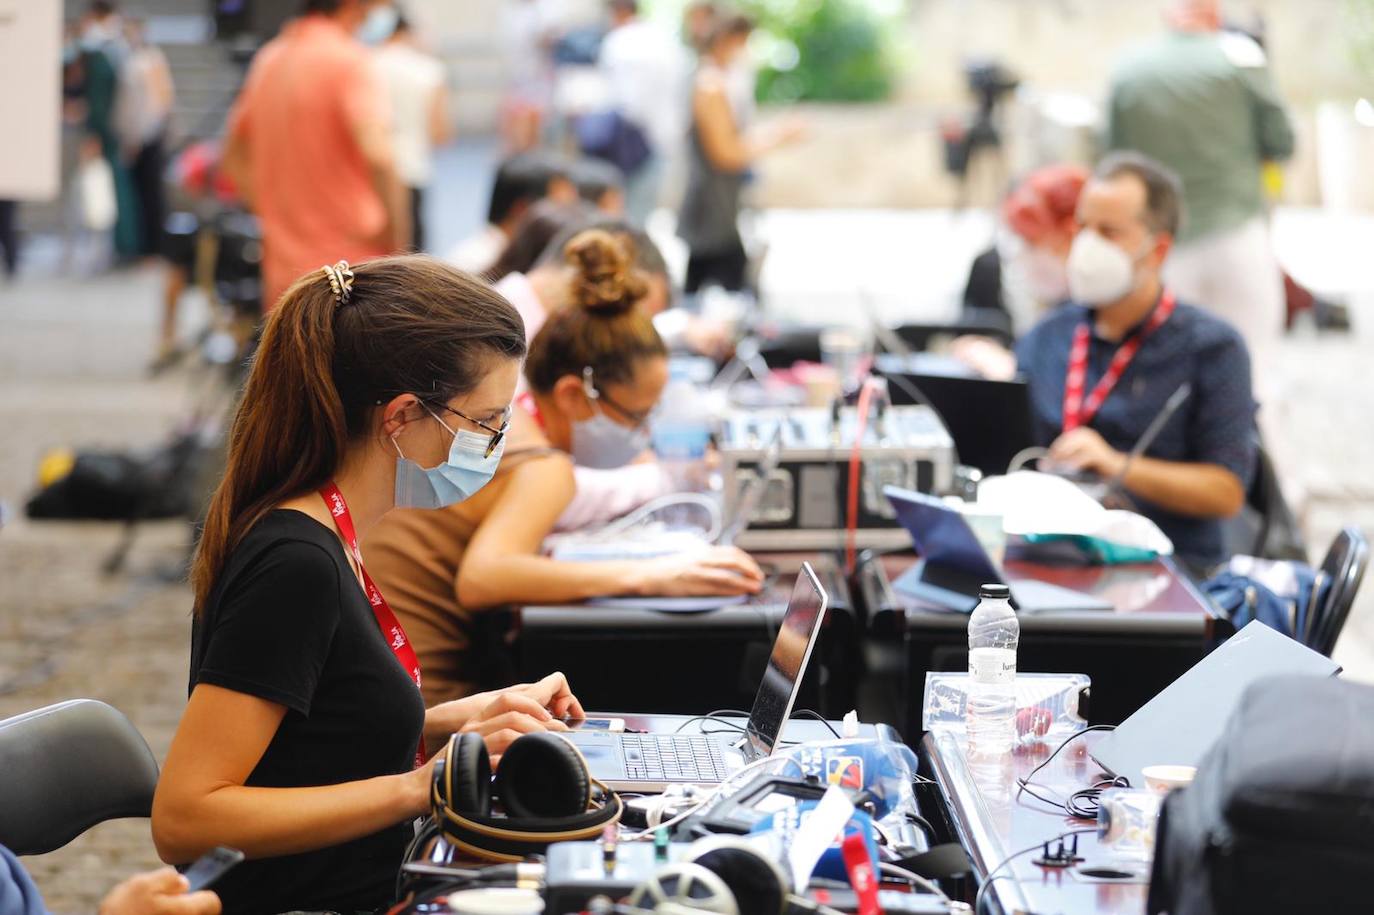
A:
{"points": [[787, 664], [751, 493]]}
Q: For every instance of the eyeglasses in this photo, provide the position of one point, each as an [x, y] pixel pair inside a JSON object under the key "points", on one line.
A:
{"points": [[636, 419], [594, 393], [496, 434]]}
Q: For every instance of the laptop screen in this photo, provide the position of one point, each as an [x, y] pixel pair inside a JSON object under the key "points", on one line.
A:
{"points": [[941, 535], [990, 421], [787, 663]]}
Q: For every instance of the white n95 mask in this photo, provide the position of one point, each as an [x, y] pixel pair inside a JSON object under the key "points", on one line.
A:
{"points": [[1100, 273]]}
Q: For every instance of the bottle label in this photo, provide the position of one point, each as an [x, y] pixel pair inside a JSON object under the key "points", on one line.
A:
{"points": [[992, 666]]}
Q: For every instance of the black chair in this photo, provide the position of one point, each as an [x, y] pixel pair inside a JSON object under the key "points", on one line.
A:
{"points": [[1266, 526], [66, 768], [1338, 580]]}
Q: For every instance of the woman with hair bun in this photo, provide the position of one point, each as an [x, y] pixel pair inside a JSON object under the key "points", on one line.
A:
{"points": [[305, 742], [595, 371]]}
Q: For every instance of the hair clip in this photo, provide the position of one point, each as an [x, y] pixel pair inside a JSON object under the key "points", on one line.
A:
{"points": [[340, 280]]}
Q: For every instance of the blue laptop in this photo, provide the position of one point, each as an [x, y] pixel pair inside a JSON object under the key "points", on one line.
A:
{"points": [[954, 565]]}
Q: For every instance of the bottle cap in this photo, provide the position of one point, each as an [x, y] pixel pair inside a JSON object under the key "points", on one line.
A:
{"points": [[994, 592]]}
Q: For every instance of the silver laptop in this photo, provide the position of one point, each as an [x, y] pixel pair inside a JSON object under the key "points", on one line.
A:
{"points": [[651, 762], [1178, 726]]}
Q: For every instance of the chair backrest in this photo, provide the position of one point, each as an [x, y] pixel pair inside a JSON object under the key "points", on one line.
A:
{"points": [[1278, 536], [1342, 569], [67, 767]]}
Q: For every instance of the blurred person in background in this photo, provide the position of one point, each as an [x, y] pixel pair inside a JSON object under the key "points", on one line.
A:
{"points": [[144, 114], [1202, 102], [645, 73], [415, 81], [600, 185], [722, 149], [543, 222], [309, 147], [520, 182], [1025, 274], [197, 174], [1102, 368], [698, 19], [103, 56], [530, 29]]}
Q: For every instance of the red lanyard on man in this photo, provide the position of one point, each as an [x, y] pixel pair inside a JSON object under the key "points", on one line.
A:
{"points": [[1079, 412], [386, 619]]}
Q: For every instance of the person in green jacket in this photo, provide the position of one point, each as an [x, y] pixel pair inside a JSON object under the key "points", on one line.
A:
{"points": [[102, 55], [1201, 101]]}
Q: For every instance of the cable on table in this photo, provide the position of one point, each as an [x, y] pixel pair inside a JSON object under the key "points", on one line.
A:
{"points": [[1082, 804], [992, 874]]}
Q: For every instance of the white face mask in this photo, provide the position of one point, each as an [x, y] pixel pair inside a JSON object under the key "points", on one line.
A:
{"points": [[1100, 273], [1042, 274]]}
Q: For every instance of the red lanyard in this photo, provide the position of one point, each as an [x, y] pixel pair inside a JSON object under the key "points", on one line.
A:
{"points": [[386, 619], [1077, 411]]}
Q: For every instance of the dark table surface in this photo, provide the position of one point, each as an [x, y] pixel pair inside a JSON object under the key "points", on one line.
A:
{"points": [[643, 660], [1154, 597], [1161, 625], [992, 823]]}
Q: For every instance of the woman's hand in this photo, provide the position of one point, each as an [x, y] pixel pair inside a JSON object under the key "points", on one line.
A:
{"points": [[716, 571], [501, 716], [160, 892]]}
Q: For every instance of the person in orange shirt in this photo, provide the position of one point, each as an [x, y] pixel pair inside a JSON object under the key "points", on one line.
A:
{"points": [[309, 147]]}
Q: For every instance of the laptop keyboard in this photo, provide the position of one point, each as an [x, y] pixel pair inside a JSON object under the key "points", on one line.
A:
{"points": [[673, 757]]}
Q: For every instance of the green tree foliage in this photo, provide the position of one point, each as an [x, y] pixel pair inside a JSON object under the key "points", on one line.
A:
{"points": [[821, 50]]}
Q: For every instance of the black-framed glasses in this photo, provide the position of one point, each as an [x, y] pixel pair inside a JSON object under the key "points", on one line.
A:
{"points": [[636, 418], [497, 435]]}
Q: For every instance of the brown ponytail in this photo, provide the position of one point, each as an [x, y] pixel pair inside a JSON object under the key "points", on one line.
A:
{"points": [[600, 328], [411, 325]]}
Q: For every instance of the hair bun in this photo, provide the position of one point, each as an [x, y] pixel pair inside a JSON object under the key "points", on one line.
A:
{"points": [[604, 281]]}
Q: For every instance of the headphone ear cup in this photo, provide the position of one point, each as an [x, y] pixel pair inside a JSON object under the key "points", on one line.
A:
{"points": [[541, 775], [468, 776], [758, 883]]}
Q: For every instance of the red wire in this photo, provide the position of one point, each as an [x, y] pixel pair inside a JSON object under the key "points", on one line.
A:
{"points": [[861, 425]]}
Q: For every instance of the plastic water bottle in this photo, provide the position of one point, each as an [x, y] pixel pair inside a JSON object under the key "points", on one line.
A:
{"points": [[682, 431], [993, 631]]}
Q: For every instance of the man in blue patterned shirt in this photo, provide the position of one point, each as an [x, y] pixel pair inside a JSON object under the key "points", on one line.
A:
{"points": [[1102, 368]]}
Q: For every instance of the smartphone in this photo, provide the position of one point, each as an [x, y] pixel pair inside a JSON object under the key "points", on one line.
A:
{"points": [[211, 866], [610, 725]]}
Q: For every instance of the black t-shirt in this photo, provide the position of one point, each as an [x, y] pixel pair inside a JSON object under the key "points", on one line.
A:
{"points": [[288, 622]]}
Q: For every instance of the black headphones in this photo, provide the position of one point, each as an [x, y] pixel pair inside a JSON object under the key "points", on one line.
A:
{"points": [[542, 785], [722, 874]]}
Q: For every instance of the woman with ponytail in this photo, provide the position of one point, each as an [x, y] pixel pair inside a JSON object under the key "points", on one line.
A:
{"points": [[595, 371], [305, 742]]}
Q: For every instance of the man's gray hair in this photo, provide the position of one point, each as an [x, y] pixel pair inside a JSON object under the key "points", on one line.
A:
{"points": [[1163, 190]]}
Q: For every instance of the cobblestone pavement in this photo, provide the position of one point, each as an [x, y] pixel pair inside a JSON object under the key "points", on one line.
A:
{"points": [[71, 371]]}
